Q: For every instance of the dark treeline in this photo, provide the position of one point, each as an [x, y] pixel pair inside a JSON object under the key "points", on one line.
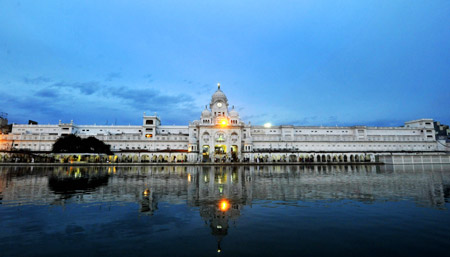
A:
{"points": [[75, 144]]}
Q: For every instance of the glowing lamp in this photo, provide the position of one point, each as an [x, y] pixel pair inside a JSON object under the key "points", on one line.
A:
{"points": [[223, 122]]}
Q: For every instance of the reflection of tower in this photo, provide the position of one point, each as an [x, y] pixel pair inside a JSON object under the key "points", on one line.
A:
{"points": [[218, 214], [220, 192]]}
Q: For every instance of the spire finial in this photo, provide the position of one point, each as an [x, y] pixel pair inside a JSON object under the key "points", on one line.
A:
{"points": [[218, 86]]}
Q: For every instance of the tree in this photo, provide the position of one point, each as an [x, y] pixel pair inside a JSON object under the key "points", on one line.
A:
{"points": [[74, 144]]}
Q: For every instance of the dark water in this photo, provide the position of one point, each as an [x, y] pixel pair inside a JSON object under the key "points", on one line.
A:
{"points": [[239, 211]]}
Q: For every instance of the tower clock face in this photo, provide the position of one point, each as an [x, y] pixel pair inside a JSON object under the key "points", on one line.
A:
{"points": [[219, 105]]}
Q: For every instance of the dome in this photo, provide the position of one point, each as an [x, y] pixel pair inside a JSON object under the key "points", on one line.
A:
{"points": [[206, 113], [234, 113], [219, 95]]}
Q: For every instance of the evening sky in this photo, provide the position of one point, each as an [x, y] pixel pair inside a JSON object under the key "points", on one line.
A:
{"points": [[285, 62]]}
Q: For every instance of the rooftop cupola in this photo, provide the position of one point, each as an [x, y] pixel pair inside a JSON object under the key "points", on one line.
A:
{"points": [[206, 113], [234, 113]]}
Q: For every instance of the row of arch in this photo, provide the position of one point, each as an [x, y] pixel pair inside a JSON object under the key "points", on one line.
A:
{"points": [[183, 157], [95, 158], [154, 158], [320, 158]]}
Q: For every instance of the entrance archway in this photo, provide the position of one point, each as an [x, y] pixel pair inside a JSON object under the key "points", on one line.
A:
{"points": [[220, 149], [205, 153], [234, 152], [145, 158], [292, 158]]}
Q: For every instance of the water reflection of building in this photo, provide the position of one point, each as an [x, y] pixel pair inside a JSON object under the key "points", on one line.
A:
{"points": [[205, 187], [426, 184], [218, 214], [220, 193]]}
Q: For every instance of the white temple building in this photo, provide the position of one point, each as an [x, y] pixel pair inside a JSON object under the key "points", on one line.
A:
{"points": [[221, 136]]}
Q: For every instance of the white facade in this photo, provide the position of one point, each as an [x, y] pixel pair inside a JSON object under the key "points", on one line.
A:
{"points": [[221, 136]]}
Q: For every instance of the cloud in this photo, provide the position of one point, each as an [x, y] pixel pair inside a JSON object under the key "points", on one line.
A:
{"points": [[188, 81], [381, 122], [36, 81], [112, 76], [149, 78], [206, 89], [87, 88], [137, 98], [55, 99], [31, 107], [47, 92], [309, 120], [141, 98]]}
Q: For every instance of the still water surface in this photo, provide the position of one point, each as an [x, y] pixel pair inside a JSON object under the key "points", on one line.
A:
{"points": [[225, 211]]}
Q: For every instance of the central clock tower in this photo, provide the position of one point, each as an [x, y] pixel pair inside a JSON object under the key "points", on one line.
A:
{"points": [[219, 103], [218, 134]]}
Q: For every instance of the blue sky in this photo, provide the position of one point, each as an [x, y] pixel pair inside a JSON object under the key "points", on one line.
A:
{"points": [[285, 62]]}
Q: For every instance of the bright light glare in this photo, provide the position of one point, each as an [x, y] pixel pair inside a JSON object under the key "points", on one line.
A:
{"points": [[224, 205], [268, 125]]}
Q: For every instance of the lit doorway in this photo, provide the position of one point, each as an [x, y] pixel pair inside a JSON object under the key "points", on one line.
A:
{"points": [[220, 149], [234, 153], [205, 153]]}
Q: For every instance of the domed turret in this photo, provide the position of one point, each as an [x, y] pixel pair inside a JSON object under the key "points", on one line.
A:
{"points": [[206, 113], [234, 113]]}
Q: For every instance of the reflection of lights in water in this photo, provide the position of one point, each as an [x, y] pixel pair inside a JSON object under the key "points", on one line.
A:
{"points": [[146, 192], [224, 205], [189, 177], [221, 189]]}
